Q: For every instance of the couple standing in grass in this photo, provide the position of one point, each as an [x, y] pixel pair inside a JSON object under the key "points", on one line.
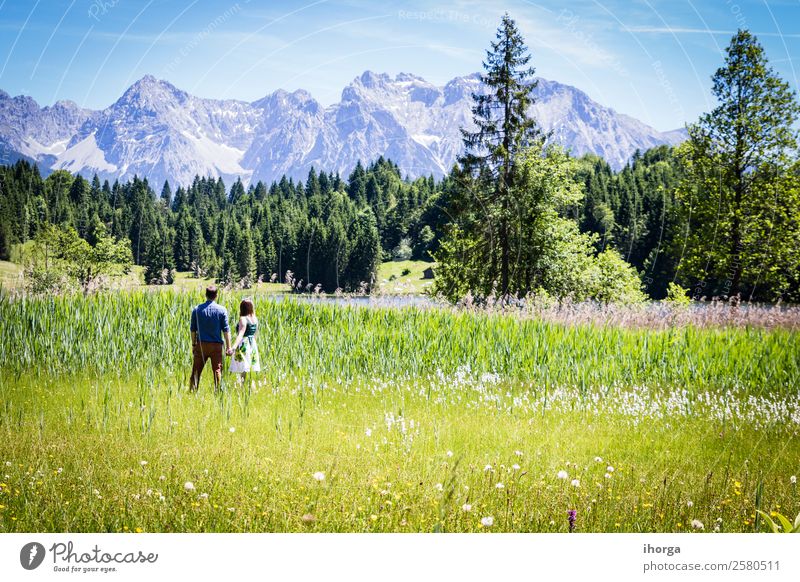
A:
{"points": [[209, 325]]}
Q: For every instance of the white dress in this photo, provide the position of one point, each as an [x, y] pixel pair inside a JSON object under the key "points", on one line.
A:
{"points": [[246, 358]]}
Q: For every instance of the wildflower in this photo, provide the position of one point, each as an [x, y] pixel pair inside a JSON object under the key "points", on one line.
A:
{"points": [[518, 453], [607, 475], [572, 516], [499, 486], [232, 429], [449, 453], [438, 487], [368, 432], [576, 483], [562, 474], [188, 486], [137, 497], [162, 498], [487, 521], [319, 476], [8, 463], [149, 492], [204, 496], [689, 504], [515, 467], [231, 509], [697, 524], [59, 470], [466, 507], [793, 479], [598, 459], [162, 478], [610, 469], [143, 463], [488, 468]]}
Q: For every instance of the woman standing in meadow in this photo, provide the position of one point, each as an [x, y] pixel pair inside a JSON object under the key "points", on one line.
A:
{"points": [[245, 348]]}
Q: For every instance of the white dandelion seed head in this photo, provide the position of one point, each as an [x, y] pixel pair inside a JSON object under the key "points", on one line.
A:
{"points": [[162, 478], [793, 479], [518, 453], [610, 469], [607, 475], [319, 476], [59, 470], [598, 459], [488, 468], [204, 496], [149, 492], [499, 486], [368, 432], [466, 507], [562, 474], [438, 487], [143, 463], [232, 429], [188, 486], [690, 504], [449, 453], [8, 463], [162, 498], [487, 521], [575, 483], [515, 467], [697, 524]]}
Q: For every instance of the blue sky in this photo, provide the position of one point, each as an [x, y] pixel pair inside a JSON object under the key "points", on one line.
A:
{"points": [[651, 59]]}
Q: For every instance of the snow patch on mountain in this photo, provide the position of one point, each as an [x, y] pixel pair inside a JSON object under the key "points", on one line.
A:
{"points": [[84, 156]]}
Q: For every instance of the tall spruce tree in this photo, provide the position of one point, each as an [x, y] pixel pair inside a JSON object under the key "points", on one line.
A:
{"points": [[491, 162]]}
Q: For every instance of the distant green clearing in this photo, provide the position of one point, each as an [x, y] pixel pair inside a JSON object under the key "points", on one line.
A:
{"points": [[412, 282]]}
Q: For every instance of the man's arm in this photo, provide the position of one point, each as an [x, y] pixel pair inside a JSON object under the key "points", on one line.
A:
{"points": [[226, 332], [194, 338]]}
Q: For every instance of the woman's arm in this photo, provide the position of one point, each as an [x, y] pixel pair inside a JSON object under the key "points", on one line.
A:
{"points": [[240, 335]]}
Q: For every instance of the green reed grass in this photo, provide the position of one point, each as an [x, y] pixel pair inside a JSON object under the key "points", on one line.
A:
{"points": [[116, 333]]}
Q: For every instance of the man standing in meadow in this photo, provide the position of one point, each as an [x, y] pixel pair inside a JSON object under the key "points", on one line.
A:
{"points": [[209, 324]]}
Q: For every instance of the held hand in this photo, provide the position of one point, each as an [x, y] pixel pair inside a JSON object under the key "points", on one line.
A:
{"points": [[229, 351]]}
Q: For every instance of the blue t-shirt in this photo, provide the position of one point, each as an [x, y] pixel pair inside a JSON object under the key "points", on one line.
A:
{"points": [[209, 320]]}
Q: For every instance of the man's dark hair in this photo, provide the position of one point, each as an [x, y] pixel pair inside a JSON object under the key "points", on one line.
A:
{"points": [[211, 292]]}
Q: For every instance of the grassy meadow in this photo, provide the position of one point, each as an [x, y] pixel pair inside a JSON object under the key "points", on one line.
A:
{"points": [[389, 420]]}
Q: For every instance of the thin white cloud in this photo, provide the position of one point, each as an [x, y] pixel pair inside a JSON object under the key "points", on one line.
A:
{"points": [[685, 30]]}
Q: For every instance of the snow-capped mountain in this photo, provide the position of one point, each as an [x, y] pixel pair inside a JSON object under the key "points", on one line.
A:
{"points": [[160, 132]]}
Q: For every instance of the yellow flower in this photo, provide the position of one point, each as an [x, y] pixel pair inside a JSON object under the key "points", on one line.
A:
{"points": [[138, 530]]}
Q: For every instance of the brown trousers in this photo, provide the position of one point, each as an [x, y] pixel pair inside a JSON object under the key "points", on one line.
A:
{"points": [[201, 352]]}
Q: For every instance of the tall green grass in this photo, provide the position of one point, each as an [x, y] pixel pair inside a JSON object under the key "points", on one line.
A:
{"points": [[117, 333]]}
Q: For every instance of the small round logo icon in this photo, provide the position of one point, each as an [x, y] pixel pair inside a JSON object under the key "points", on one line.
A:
{"points": [[31, 555]]}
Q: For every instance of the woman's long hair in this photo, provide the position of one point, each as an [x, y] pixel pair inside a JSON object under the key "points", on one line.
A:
{"points": [[246, 308]]}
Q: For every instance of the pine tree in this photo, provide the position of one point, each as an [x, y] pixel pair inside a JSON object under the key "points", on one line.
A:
{"points": [[504, 130]]}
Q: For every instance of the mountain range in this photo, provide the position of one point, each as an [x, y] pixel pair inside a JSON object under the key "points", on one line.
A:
{"points": [[158, 131]]}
